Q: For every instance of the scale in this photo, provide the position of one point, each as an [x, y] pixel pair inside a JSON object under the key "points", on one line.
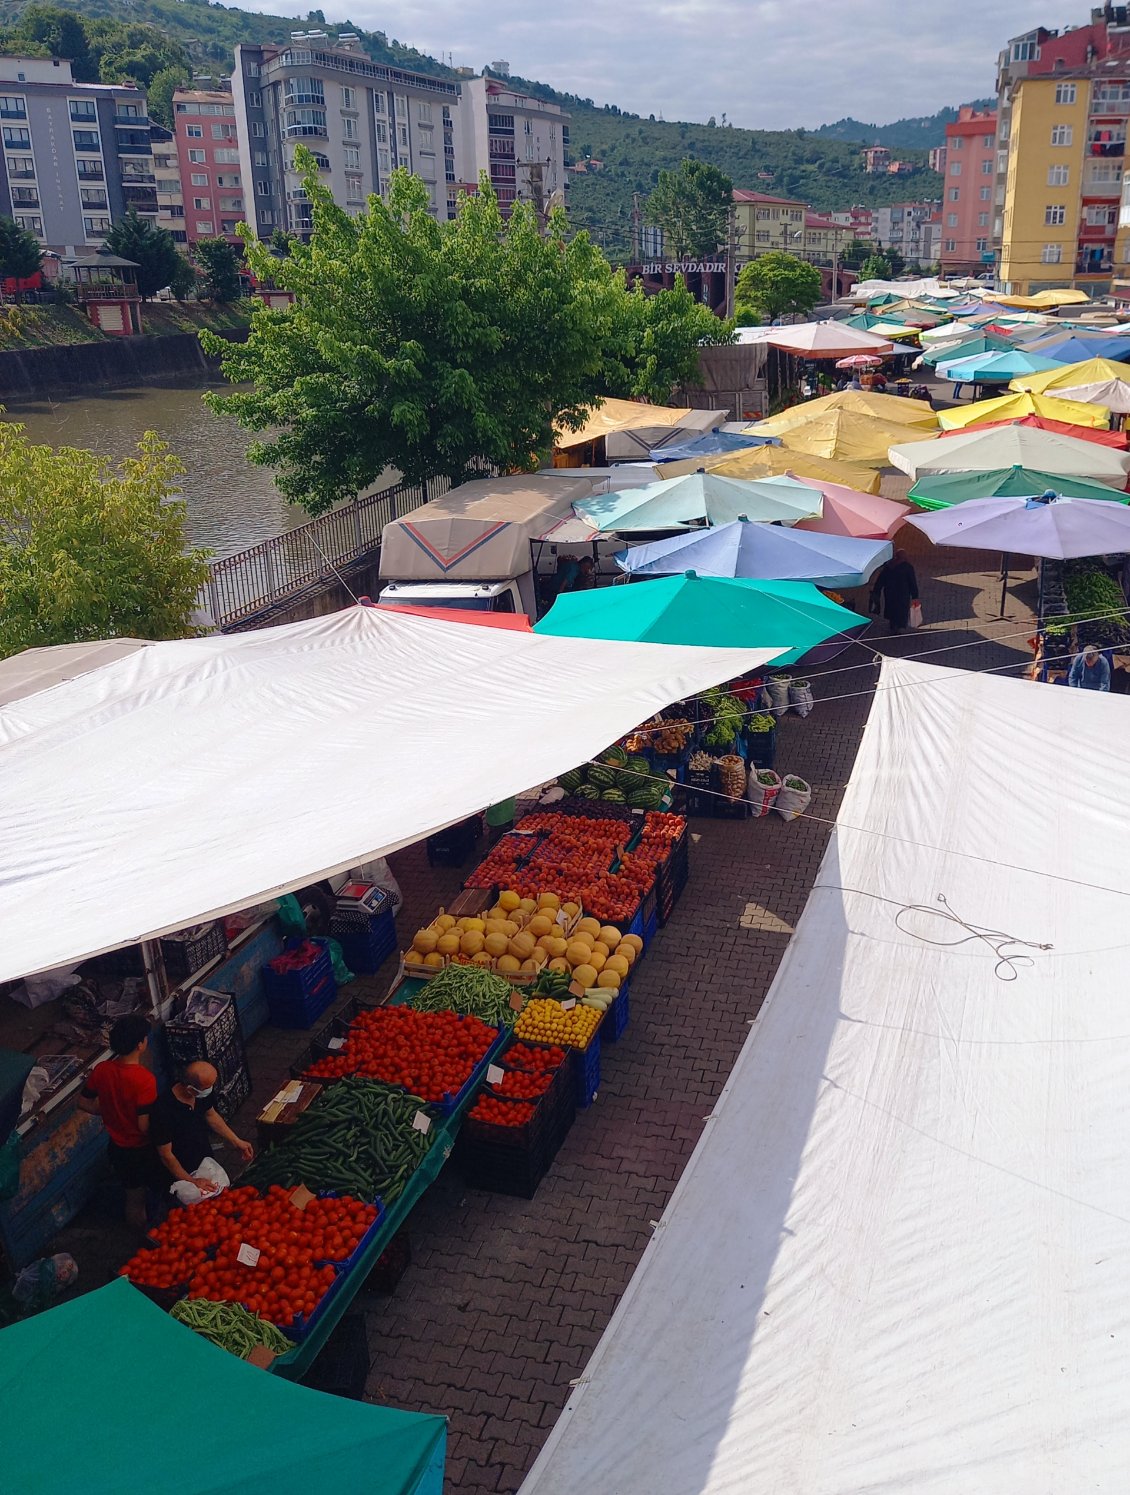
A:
{"points": [[357, 905]]}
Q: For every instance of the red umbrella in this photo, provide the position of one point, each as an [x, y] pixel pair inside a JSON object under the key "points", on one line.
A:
{"points": [[860, 361], [1119, 440]]}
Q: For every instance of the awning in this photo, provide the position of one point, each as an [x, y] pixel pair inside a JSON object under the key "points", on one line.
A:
{"points": [[35, 669], [197, 777], [896, 1261], [107, 1393], [631, 415]]}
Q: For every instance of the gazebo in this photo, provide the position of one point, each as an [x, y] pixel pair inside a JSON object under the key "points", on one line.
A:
{"points": [[106, 287]]}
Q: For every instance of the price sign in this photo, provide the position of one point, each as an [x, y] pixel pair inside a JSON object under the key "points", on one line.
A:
{"points": [[517, 1000], [248, 1255], [422, 1122], [568, 1004], [336, 1043], [495, 1074]]}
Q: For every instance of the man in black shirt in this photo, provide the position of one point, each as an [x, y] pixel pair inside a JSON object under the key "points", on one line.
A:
{"points": [[179, 1127]]}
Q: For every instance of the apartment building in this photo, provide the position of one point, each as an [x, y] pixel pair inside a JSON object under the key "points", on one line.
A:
{"points": [[166, 171], [518, 140], [359, 119], [208, 158], [858, 220], [909, 229], [73, 156], [967, 206], [763, 222], [937, 159]]}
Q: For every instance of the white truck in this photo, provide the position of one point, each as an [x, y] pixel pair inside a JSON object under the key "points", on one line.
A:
{"points": [[483, 545]]}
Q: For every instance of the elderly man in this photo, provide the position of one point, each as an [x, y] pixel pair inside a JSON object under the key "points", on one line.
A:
{"points": [[1089, 670], [179, 1127]]}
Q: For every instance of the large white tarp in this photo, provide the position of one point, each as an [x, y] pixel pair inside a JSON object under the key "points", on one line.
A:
{"points": [[898, 1261], [198, 777]]}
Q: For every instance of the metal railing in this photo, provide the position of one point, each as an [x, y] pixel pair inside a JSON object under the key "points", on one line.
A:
{"points": [[254, 579]]}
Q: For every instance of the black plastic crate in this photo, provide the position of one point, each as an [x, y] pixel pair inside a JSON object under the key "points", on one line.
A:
{"points": [[761, 748], [452, 847], [366, 952], [188, 1040], [191, 949], [343, 1364], [234, 1093], [699, 799]]}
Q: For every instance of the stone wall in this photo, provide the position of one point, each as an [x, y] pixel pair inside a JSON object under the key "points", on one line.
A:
{"points": [[45, 373]]}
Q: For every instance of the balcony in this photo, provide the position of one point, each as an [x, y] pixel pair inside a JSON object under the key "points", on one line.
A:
{"points": [[21, 176], [1105, 147], [500, 148], [137, 178], [13, 113], [1092, 190], [134, 148], [144, 199], [136, 121], [302, 132], [1094, 265]]}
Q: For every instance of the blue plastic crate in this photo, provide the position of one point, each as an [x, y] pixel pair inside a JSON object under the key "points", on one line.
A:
{"points": [[302, 1010], [366, 953], [586, 1072], [288, 985], [616, 1018]]}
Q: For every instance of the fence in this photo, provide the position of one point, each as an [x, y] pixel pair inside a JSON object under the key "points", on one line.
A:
{"points": [[253, 579]]}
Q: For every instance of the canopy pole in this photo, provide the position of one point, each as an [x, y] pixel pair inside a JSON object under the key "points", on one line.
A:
{"points": [[154, 975], [1004, 581]]}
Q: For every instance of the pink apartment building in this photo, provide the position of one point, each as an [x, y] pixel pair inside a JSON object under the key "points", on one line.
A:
{"points": [[970, 180], [208, 151]]}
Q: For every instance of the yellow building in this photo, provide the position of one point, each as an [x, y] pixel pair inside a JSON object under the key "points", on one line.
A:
{"points": [[763, 223], [1064, 183]]}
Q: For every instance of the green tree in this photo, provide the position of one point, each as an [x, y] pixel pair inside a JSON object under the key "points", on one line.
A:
{"points": [[184, 279], [654, 342], [855, 251], [59, 32], [691, 206], [100, 49], [20, 254], [875, 267], [153, 250], [775, 285], [219, 265], [90, 550], [162, 86], [281, 243]]}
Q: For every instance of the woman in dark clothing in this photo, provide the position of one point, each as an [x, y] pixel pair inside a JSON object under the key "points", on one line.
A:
{"points": [[896, 587]]}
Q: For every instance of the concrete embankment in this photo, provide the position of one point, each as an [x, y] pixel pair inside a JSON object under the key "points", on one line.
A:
{"points": [[47, 373]]}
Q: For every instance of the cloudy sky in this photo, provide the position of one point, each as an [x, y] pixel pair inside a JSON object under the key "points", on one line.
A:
{"points": [[772, 64]]}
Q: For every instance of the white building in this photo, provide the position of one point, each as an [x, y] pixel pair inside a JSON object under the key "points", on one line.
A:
{"points": [[518, 140]]}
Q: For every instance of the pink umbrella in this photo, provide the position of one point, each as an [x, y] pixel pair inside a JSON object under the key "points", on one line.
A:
{"points": [[859, 361], [847, 511], [826, 340]]}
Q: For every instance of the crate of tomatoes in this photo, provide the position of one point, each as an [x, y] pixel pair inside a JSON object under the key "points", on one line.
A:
{"points": [[512, 1134]]}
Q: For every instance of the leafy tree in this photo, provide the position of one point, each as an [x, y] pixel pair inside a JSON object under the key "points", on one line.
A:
{"points": [[691, 206], [875, 267], [280, 243], [219, 266], [100, 49], [20, 254], [854, 253], [653, 347], [153, 249], [775, 285], [61, 33], [184, 279], [162, 86], [90, 550]]}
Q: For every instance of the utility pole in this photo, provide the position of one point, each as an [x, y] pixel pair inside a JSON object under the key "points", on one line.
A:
{"points": [[637, 252], [836, 266], [731, 249]]}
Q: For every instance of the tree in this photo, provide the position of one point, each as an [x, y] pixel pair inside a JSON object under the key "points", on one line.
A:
{"points": [[219, 269], [775, 285], [655, 342], [855, 252], [691, 206], [162, 86], [153, 250], [90, 550], [875, 267], [98, 48], [20, 254], [184, 279]]}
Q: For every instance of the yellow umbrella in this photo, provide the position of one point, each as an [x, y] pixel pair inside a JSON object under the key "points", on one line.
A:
{"points": [[1071, 375], [863, 401], [1017, 406], [775, 461], [848, 436], [1065, 296]]}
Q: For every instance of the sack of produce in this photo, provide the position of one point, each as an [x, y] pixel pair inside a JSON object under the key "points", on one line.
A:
{"points": [[793, 798], [763, 788], [732, 776], [778, 692], [800, 697]]}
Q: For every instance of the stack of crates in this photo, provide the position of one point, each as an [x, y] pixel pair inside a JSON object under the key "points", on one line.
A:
{"points": [[208, 1028], [297, 995], [671, 877], [515, 1159], [364, 926]]}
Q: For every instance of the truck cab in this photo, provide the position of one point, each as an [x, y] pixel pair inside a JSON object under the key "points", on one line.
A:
{"points": [[481, 596]]}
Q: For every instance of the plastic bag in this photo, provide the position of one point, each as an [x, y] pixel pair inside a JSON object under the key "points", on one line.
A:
{"points": [[915, 619], [778, 692], [342, 974], [800, 697], [291, 917], [379, 872], [45, 986], [42, 1280], [794, 797], [187, 1192], [764, 787]]}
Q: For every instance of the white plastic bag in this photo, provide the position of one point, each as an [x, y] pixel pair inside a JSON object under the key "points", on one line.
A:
{"points": [[800, 697], [45, 986], [380, 872], [188, 1193], [793, 798], [915, 619], [764, 787], [777, 689]]}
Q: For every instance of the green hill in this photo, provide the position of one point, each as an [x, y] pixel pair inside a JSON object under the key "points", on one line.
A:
{"points": [[918, 133]]}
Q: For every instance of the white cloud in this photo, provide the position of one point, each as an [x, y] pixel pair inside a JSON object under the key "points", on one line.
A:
{"points": [[769, 64]]}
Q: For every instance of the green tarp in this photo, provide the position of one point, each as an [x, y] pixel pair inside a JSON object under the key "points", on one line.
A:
{"points": [[938, 490], [106, 1393]]}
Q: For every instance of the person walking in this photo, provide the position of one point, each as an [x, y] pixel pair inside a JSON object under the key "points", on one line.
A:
{"points": [[122, 1091], [894, 589], [1089, 670]]}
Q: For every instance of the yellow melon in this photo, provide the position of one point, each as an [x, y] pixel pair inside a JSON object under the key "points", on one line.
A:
{"points": [[443, 922], [635, 942], [590, 926], [510, 927], [472, 922], [529, 968], [522, 945], [508, 965], [424, 940], [482, 959], [570, 910], [556, 946], [471, 942], [609, 936], [582, 937], [527, 905], [448, 944], [508, 899], [434, 958], [548, 900], [558, 964], [619, 964], [495, 944], [600, 948], [586, 975], [576, 953], [494, 926], [627, 952], [609, 978], [597, 958], [540, 924]]}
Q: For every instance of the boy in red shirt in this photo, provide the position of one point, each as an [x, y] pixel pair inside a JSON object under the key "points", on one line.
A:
{"points": [[121, 1090]]}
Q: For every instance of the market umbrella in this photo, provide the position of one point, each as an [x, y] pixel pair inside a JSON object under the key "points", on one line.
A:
{"points": [[705, 610], [976, 343], [764, 552], [1119, 440], [696, 498], [1064, 296], [942, 490], [983, 368], [825, 340], [862, 401], [848, 436], [1075, 349], [847, 511], [981, 450], [860, 361], [1015, 406], [947, 332], [776, 461], [1091, 369], [1035, 340], [709, 444], [1107, 394], [1052, 525]]}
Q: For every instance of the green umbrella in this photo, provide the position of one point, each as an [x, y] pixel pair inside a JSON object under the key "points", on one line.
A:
{"points": [[719, 612], [939, 490]]}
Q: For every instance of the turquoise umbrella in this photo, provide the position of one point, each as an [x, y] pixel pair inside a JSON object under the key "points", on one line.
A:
{"points": [[940, 490], [984, 366], [721, 612], [700, 498]]}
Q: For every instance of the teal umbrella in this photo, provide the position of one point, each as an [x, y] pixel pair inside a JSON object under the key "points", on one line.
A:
{"points": [[698, 498], [719, 612], [940, 490], [982, 367], [969, 347]]}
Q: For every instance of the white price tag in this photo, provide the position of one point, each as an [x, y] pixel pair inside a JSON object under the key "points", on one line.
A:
{"points": [[568, 1004], [336, 1043], [421, 1122], [247, 1255], [562, 917], [495, 1074]]}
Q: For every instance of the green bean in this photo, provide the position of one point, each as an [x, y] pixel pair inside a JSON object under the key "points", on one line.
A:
{"points": [[230, 1326], [469, 991]]}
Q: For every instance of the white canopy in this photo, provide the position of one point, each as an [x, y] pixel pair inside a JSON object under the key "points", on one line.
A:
{"points": [[35, 669], [988, 448], [898, 1258], [198, 777]]}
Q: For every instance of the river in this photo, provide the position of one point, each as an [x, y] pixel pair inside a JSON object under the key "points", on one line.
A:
{"points": [[231, 502]]}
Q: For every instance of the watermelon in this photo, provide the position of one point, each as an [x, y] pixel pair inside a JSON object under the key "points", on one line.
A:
{"points": [[587, 791], [625, 780], [571, 781], [615, 755], [638, 764], [600, 776], [613, 796]]}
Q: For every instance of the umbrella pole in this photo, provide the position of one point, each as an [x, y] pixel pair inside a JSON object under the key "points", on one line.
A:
{"points": [[1004, 580]]}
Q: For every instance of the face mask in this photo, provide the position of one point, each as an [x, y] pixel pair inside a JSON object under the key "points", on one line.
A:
{"points": [[201, 1094]]}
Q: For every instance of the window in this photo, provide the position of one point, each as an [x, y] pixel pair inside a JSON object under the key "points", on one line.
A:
{"points": [[225, 157], [424, 113], [229, 225], [20, 166], [254, 99], [1057, 176], [349, 128], [202, 202], [223, 132], [266, 216], [354, 191], [950, 245], [951, 220], [987, 192], [402, 136], [199, 178], [956, 144], [127, 111], [1103, 172], [204, 226], [955, 168], [988, 141], [34, 224], [1055, 214], [304, 91], [381, 130], [194, 132], [401, 106], [1025, 51], [83, 109], [252, 70], [26, 197], [955, 194], [232, 179], [982, 245], [1051, 254], [95, 227], [85, 140], [987, 167], [263, 189], [174, 210], [12, 108], [1065, 93], [384, 161], [257, 129], [378, 103], [349, 98], [231, 205], [90, 171], [197, 158], [762, 236], [1062, 134], [351, 154], [92, 197], [982, 220], [259, 158], [298, 122]]}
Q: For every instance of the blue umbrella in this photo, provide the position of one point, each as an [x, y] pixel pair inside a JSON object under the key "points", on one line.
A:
{"points": [[1077, 350], [1003, 366], [709, 444], [761, 552]]}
